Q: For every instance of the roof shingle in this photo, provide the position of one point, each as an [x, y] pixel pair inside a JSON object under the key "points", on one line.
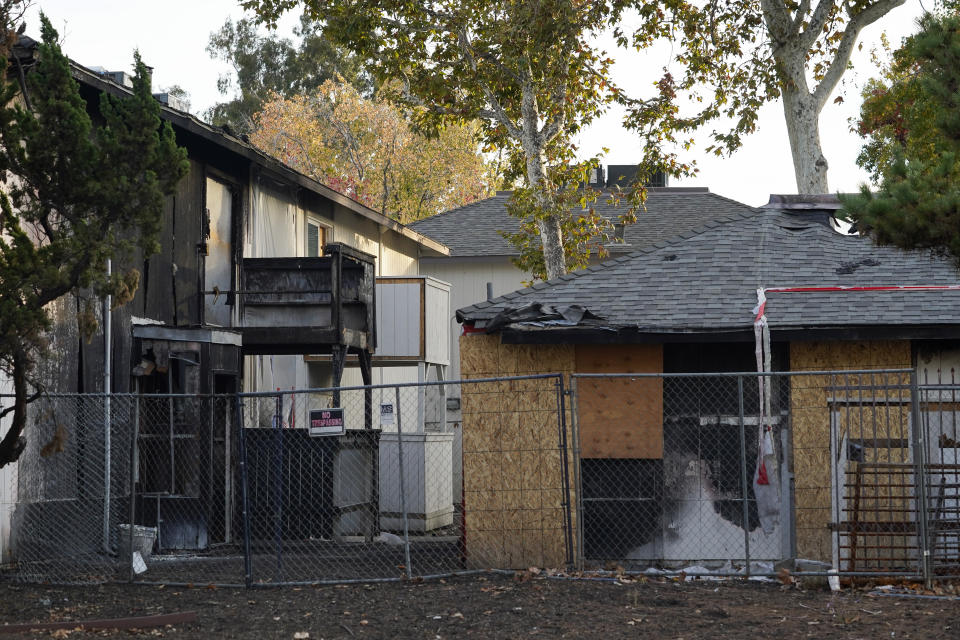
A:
{"points": [[473, 229], [708, 282]]}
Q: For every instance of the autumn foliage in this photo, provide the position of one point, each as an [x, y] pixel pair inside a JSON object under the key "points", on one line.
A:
{"points": [[368, 150]]}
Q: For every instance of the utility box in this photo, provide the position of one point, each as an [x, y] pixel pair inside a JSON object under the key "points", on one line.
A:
{"points": [[427, 481]]}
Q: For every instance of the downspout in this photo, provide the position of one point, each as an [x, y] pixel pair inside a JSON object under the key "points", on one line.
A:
{"points": [[379, 265], [107, 348]]}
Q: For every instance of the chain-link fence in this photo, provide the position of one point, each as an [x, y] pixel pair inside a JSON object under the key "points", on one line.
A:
{"points": [[358, 483], [731, 474], [717, 474], [166, 465]]}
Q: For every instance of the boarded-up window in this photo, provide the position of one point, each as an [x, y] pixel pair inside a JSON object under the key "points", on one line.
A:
{"points": [[620, 417]]}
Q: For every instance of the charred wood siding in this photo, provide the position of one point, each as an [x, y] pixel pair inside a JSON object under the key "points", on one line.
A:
{"points": [[187, 236]]}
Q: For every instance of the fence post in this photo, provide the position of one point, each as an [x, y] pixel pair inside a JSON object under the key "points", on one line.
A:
{"points": [[744, 483], [564, 469], [403, 491], [106, 469], [920, 475], [577, 487], [134, 470], [278, 485], [244, 505]]}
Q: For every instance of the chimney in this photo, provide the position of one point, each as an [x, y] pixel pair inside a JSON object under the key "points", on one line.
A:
{"points": [[818, 208], [596, 177], [624, 175]]}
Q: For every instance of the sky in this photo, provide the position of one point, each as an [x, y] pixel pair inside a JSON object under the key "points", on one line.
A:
{"points": [[172, 37]]}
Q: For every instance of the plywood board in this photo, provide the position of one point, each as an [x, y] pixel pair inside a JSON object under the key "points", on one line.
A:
{"points": [[511, 456], [810, 415], [620, 417]]}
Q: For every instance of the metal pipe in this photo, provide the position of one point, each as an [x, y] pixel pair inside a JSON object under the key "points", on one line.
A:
{"points": [[577, 478], [133, 474], [278, 484], [403, 493], [743, 478], [920, 456], [564, 469], [427, 383], [733, 374], [107, 348], [244, 500]]}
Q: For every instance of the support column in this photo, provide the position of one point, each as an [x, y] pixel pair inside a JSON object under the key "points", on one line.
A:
{"points": [[338, 357]]}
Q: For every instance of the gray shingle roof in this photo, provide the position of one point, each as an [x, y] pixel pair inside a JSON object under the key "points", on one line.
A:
{"points": [[472, 230], [708, 281]]}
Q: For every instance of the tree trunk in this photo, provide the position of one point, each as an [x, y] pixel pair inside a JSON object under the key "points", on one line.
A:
{"points": [[13, 443], [803, 127], [533, 143], [551, 236]]}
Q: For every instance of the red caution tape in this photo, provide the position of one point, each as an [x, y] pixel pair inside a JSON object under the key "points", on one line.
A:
{"points": [[762, 474]]}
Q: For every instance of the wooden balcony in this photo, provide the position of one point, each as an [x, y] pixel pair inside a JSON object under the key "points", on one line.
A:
{"points": [[308, 305]]}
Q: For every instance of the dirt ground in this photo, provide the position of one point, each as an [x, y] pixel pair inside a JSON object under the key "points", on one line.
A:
{"points": [[491, 606]]}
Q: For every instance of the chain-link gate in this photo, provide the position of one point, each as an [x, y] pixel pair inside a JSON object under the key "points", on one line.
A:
{"points": [[939, 443], [671, 476]]}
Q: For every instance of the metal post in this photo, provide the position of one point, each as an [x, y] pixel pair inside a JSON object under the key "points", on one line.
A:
{"points": [[577, 487], [564, 470], [743, 477], [107, 348], [919, 472], [133, 472], [278, 486], [403, 493], [244, 504]]}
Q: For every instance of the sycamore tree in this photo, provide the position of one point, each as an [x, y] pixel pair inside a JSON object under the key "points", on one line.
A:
{"points": [[366, 148], [528, 72], [912, 120], [75, 195], [739, 54]]}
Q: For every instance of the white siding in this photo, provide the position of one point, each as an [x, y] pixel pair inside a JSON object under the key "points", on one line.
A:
{"points": [[275, 222], [398, 256], [356, 232], [468, 280]]}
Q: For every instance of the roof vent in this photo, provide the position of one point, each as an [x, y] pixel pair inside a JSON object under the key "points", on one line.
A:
{"points": [[173, 101], [121, 78]]}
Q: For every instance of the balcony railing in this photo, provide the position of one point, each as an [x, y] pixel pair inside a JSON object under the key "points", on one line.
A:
{"points": [[305, 305]]}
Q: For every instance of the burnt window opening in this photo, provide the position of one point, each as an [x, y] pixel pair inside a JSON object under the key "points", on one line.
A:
{"points": [[622, 505]]}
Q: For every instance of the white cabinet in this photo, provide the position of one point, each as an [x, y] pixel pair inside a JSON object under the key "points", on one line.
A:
{"points": [[413, 320]]}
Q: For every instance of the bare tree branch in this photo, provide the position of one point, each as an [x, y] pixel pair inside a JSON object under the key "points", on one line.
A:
{"points": [[866, 17]]}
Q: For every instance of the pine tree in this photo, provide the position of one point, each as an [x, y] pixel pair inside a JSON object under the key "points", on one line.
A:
{"points": [[76, 195], [915, 148]]}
